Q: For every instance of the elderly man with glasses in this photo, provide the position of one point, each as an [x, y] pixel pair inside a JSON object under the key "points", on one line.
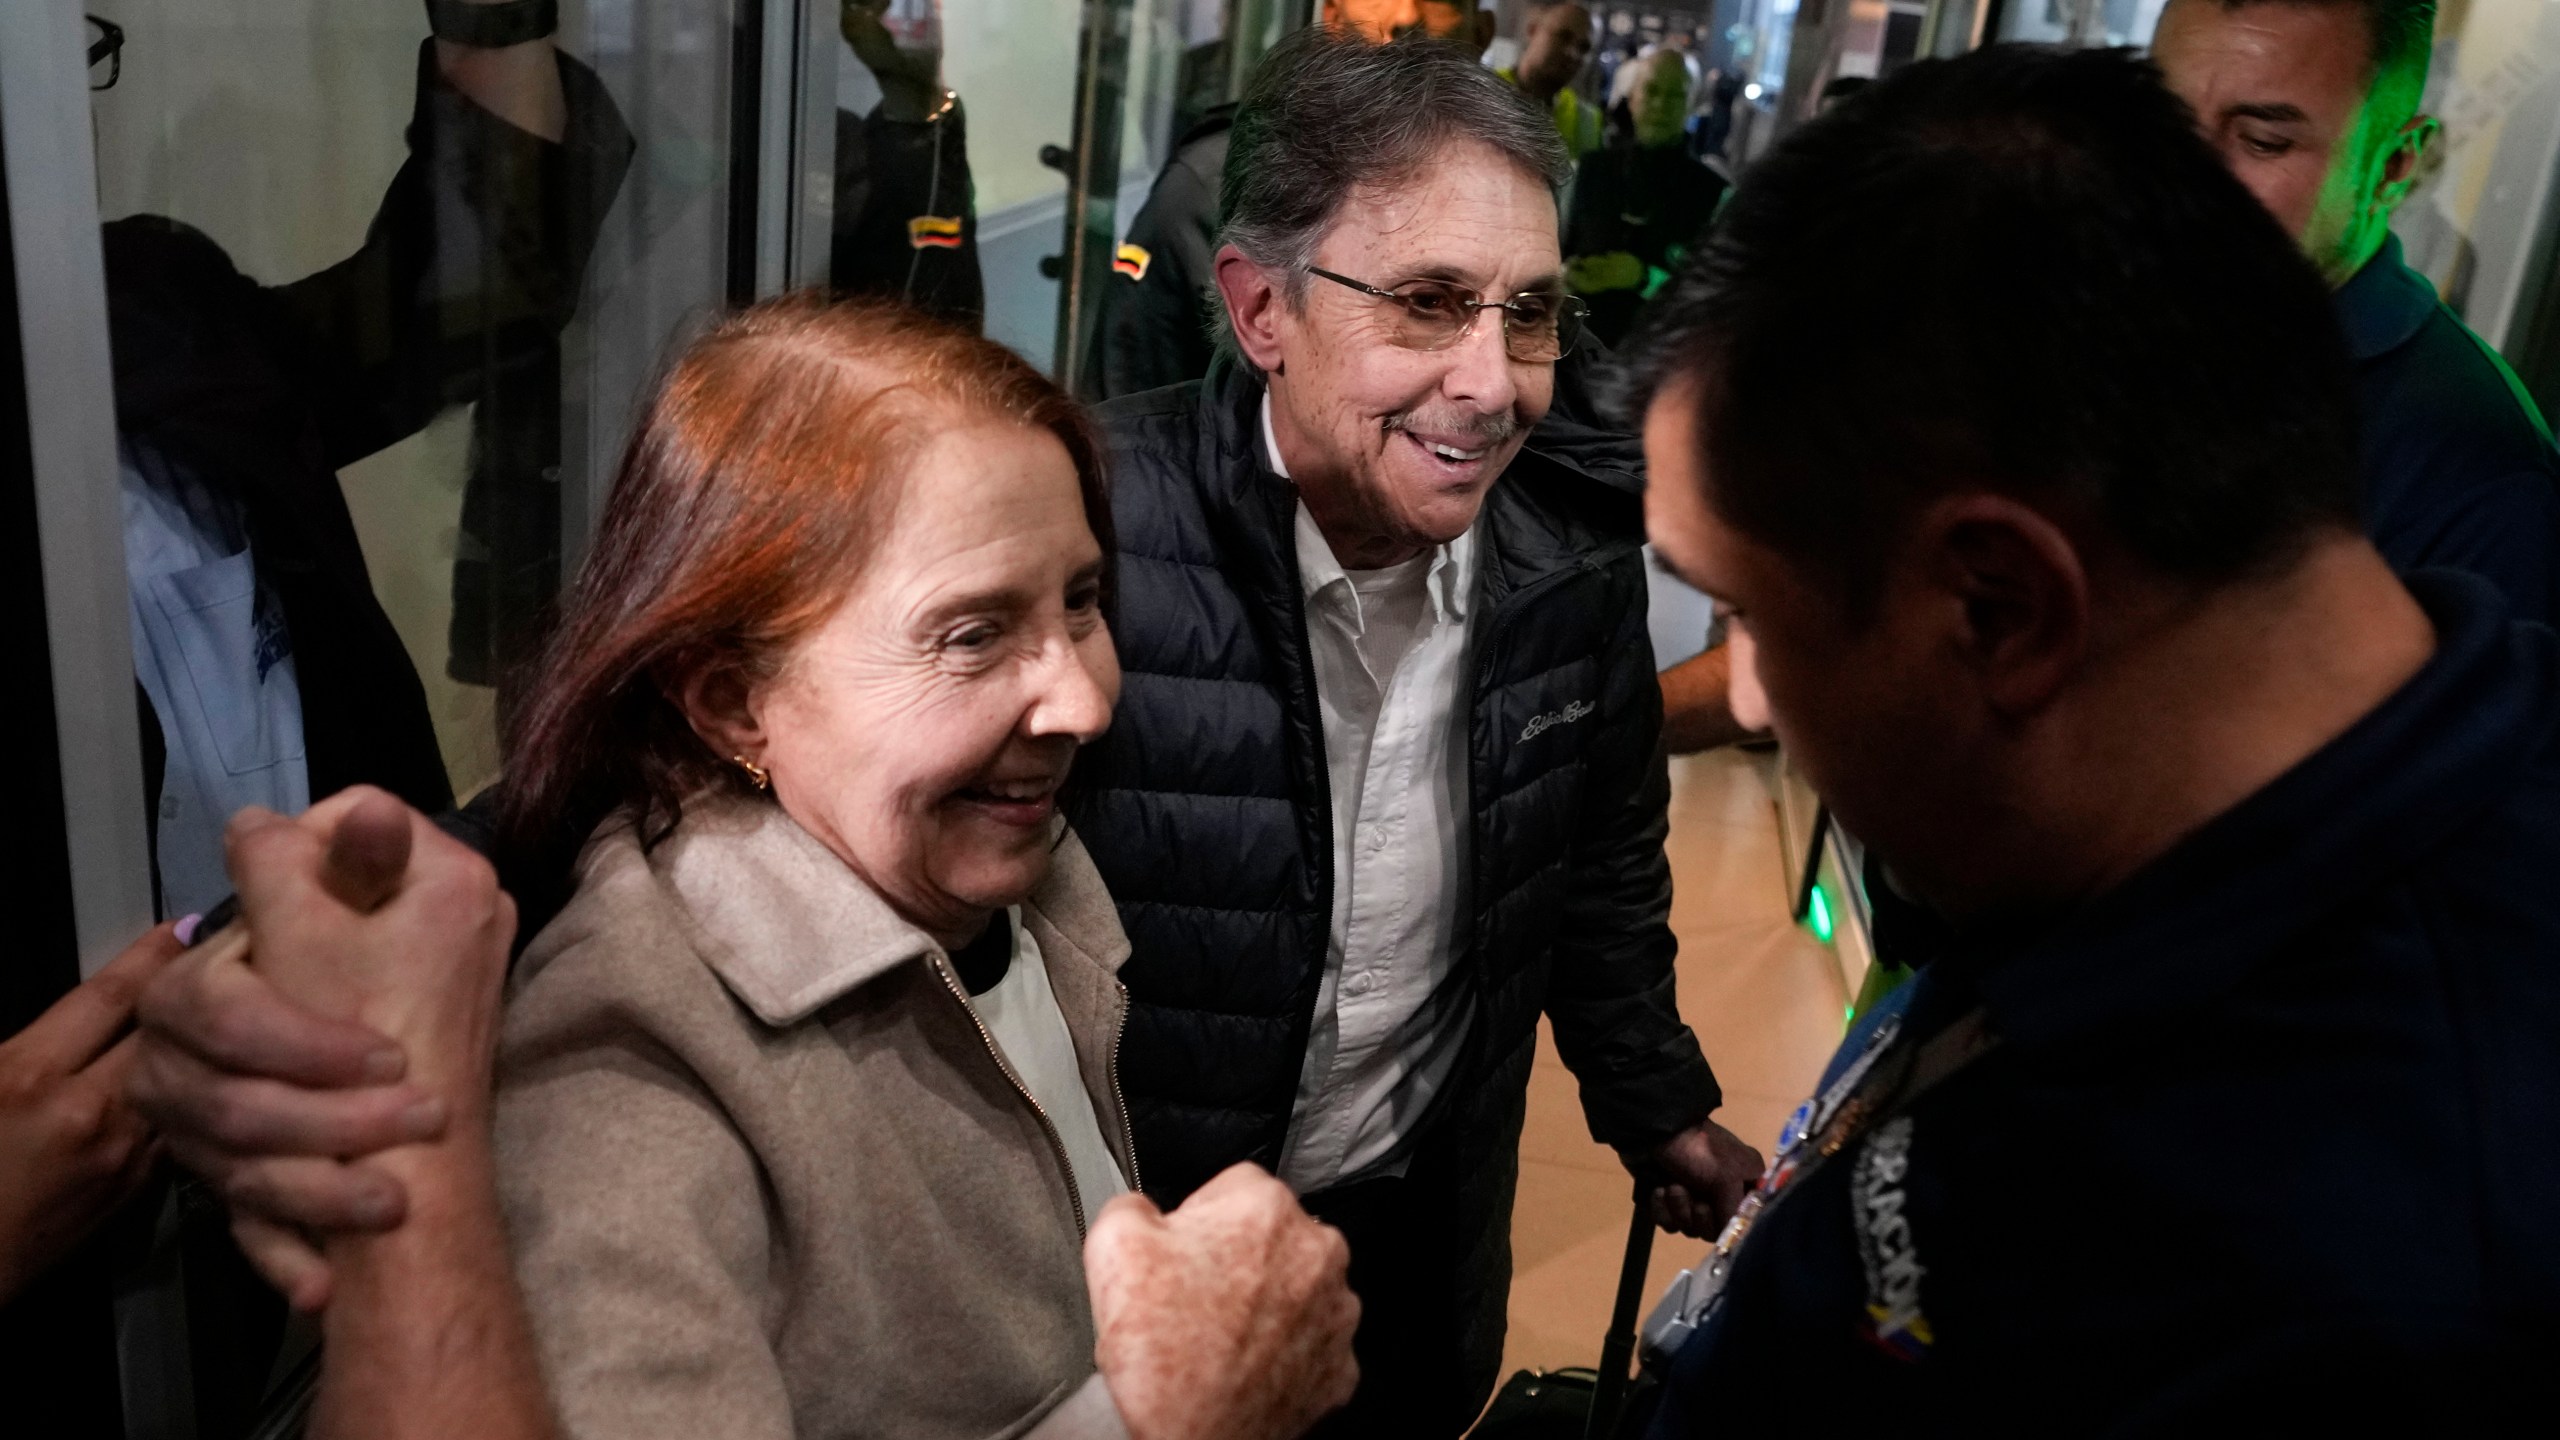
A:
{"points": [[1384, 783]]}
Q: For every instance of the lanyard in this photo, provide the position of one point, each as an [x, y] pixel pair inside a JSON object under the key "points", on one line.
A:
{"points": [[1882, 1081]]}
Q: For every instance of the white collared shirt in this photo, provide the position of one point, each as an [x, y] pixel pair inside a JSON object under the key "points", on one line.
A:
{"points": [[1389, 650]]}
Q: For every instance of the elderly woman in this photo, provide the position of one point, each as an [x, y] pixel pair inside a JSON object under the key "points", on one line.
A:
{"points": [[805, 1098]]}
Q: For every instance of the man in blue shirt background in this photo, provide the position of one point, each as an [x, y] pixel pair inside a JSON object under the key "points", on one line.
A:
{"points": [[2314, 106], [2226, 1094]]}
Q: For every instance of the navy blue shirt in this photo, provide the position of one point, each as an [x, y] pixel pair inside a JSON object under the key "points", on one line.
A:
{"points": [[2459, 467], [2273, 1126]]}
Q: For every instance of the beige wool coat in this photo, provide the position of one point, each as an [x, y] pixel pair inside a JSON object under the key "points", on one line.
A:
{"points": [[765, 1175]]}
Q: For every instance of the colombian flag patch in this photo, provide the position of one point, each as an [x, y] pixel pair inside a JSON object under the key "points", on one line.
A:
{"points": [[934, 232], [1132, 261]]}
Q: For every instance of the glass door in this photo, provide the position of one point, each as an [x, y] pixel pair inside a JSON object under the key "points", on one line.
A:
{"points": [[987, 154], [73, 1361]]}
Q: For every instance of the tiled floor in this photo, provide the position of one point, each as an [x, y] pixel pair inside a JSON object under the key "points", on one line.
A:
{"points": [[1766, 1000]]}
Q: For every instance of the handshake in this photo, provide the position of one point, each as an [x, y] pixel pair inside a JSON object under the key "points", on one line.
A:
{"points": [[327, 1063]]}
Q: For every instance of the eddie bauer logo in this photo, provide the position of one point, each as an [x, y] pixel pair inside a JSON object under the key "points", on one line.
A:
{"points": [[1540, 725]]}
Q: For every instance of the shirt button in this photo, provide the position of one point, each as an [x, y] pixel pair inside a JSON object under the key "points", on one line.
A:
{"points": [[1377, 838]]}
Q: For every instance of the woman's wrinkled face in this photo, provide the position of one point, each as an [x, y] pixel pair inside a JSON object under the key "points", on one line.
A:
{"points": [[922, 732]]}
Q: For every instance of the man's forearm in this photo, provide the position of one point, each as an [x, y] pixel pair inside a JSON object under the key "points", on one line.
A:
{"points": [[426, 1334], [1697, 711], [519, 84]]}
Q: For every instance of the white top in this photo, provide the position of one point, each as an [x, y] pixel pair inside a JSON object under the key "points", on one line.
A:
{"points": [[211, 650], [1389, 649], [1022, 1013]]}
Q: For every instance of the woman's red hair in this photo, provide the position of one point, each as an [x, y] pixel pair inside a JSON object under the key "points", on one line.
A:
{"points": [[761, 479]]}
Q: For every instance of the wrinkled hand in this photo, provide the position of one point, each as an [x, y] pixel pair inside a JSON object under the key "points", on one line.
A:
{"points": [[364, 1023], [1228, 1319], [1701, 1175], [71, 1149]]}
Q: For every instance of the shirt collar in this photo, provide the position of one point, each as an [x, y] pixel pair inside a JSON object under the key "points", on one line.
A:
{"points": [[2383, 304], [2347, 822], [1453, 565]]}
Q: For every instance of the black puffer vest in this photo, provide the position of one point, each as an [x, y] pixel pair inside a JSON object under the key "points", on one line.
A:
{"points": [[1207, 809]]}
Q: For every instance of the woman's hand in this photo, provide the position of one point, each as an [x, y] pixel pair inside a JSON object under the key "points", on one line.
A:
{"points": [[71, 1149], [1229, 1319]]}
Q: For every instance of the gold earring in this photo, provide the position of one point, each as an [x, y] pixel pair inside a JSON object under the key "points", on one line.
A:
{"points": [[757, 775]]}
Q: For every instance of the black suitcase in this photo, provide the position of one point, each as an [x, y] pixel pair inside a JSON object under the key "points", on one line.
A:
{"points": [[1579, 1404]]}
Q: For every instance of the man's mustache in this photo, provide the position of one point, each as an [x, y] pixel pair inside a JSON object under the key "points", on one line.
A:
{"points": [[1485, 428]]}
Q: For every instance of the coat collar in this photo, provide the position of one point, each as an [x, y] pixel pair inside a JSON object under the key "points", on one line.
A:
{"points": [[2384, 305], [790, 929]]}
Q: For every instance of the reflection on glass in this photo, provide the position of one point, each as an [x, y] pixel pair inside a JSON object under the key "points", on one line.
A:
{"points": [[906, 222], [2481, 218], [302, 277]]}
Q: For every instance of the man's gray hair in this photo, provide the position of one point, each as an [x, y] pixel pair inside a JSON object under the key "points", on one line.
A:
{"points": [[1330, 114]]}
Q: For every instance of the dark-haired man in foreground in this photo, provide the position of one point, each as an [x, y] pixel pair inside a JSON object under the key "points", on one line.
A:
{"points": [[2314, 105], [2226, 1093]]}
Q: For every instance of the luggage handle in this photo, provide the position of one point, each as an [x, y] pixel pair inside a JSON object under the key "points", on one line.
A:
{"points": [[1618, 1348]]}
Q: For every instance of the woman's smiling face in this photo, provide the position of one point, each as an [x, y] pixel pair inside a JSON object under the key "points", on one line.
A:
{"points": [[923, 730]]}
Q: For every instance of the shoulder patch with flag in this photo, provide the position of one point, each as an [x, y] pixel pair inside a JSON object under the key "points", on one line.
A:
{"points": [[938, 232], [1132, 261]]}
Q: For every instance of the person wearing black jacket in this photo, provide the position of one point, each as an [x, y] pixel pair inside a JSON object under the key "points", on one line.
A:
{"points": [[1639, 202], [1383, 785], [249, 398], [2316, 109], [2221, 1102], [1155, 329], [906, 213], [1156, 319], [237, 403]]}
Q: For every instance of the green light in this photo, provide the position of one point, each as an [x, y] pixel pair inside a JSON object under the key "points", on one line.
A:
{"points": [[1818, 914]]}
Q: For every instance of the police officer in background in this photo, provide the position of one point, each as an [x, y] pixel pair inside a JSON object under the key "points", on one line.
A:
{"points": [[2223, 1101], [906, 220], [1155, 328]]}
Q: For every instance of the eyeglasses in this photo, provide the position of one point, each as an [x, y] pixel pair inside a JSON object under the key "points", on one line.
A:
{"points": [[1537, 327], [106, 53]]}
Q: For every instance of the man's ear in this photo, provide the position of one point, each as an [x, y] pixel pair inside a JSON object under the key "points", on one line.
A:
{"points": [[1253, 307], [2022, 589], [720, 706], [2400, 167]]}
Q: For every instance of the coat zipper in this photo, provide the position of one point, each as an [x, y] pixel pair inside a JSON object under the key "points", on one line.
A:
{"points": [[1128, 1131], [1057, 1147]]}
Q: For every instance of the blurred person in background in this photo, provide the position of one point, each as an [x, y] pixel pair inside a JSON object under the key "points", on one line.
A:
{"points": [[906, 217], [1160, 311], [268, 670], [1716, 120], [1552, 53], [1637, 207], [2314, 104]]}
